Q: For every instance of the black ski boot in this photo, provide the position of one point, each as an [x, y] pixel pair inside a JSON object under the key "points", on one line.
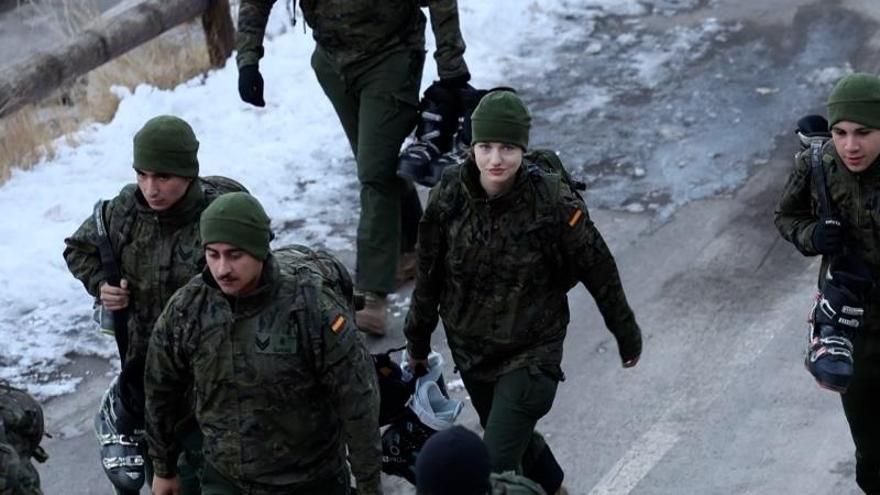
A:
{"points": [[811, 128], [438, 117], [121, 435], [836, 316]]}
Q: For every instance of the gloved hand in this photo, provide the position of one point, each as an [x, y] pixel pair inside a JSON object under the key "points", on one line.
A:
{"points": [[456, 82], [250, 85], [828, 236], [630, 349]]}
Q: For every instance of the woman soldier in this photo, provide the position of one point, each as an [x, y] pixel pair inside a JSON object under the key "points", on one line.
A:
{"points": [[502, 240]]}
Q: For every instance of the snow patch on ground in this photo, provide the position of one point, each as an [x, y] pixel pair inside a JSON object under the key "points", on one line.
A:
{"points": [[292, 155]]}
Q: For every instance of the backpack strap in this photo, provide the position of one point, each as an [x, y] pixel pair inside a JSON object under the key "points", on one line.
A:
{"points": [[817, 170], [307, 315]]}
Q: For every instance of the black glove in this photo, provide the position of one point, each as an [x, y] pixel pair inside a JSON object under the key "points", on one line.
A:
{"points": [[828, 236], [250, 85], [630, 349], [456, 82]]}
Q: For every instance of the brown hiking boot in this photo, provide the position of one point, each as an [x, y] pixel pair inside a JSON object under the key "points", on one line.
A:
{"points": [[406, 268], [372, 318]]}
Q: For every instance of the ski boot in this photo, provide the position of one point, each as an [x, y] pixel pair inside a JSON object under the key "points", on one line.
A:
{"points": [[438, 117], [836, 316], [811, 128], [121, 436]]}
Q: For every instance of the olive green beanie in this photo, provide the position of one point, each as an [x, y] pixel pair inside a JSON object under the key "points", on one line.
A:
{"points": [[501, 117], [855, 98], [237, 219], [167, 145]]}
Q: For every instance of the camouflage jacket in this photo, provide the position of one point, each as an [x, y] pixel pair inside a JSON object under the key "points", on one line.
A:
{"points": [[854, 200], [283, 382], [499, 270], [356, 34], [21, 430], [158, 252], [510, 483]]}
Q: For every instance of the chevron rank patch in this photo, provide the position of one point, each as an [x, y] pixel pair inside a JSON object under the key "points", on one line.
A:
{"points": [[338, 324], [575, 218]]}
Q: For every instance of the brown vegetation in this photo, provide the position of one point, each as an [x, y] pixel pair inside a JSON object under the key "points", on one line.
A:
{"points": [[29, 135]]}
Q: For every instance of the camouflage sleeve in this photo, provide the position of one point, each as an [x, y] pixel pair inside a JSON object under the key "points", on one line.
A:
{"points": [[450, 45], [794, 216], [9, 465], [166, 382], [347, 372], [81, 251], [591, 262], [422, 317], [252, 18]]}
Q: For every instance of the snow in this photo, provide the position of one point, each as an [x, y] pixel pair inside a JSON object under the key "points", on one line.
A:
{"points": [[292, 155]]}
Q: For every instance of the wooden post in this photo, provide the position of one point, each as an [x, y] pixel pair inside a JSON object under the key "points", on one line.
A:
{"points": [[35, 78], [219, 31]]}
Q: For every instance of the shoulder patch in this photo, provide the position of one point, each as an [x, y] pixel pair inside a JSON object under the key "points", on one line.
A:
{"points": [[337, 324], [575, 217]]}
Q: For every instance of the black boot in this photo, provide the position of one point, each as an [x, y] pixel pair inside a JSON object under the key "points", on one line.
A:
{"points": [[836, 316], [438, 118], [121, 435]]}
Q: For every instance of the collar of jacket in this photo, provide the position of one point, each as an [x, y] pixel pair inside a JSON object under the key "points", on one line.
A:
{"points": [[470, 180], [185, 211], [251, 303]]}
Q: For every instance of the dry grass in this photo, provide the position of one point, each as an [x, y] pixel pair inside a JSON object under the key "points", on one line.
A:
{"points": [[28, 136]]}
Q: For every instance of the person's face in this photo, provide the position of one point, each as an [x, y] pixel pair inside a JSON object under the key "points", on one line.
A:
{"points": [[235, 271], [498, 163], [856, 144], [161, 191]]}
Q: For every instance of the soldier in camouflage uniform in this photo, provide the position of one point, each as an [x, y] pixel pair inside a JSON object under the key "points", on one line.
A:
{"points": [[369, 60], [21, 430], [500, 245], [283, 381], [852, 176], [154, 232]]}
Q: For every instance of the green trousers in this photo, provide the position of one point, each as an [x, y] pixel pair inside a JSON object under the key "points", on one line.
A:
{"points": [[861, 406], [509, 409], [214, 483], [378, 109]]}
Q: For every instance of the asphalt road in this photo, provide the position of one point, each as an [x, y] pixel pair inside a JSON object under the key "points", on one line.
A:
{"points": [[720, 402]]}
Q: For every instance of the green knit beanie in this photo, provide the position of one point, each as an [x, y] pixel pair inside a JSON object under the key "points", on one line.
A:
{"points": [[855, 98], [167, 145], [501, 117], [238, 219]]}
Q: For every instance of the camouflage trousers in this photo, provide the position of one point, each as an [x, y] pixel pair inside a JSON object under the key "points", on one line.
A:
{"points": [[861, 408], [378, 109], [18, 476], [215, 483], [509, 409]]}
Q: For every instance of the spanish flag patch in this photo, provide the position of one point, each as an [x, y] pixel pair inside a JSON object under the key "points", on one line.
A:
{"points": [[338, 324], [575, 218]]}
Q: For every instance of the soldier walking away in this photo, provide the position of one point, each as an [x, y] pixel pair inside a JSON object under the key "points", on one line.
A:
{"points": [[131, 255], [456, 462], [369, 59], [21, 430], [829, 207], [503, 239], [283, 383]]}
